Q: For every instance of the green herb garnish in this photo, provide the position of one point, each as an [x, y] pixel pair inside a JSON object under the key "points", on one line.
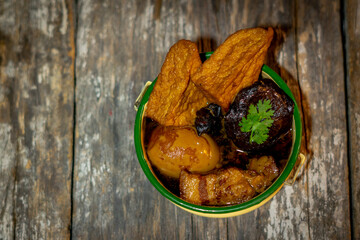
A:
{"points": [[258, 121]]}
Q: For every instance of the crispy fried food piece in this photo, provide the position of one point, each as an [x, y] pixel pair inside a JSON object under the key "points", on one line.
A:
{"points": [[228, 186], [174, 99], [184, 113], [234, 65]]}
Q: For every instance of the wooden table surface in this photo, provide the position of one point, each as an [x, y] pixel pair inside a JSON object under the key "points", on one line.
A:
{"points": [[70, 72]]}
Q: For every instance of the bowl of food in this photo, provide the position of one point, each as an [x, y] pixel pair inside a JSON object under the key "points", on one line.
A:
{"points": [[218, 134]]}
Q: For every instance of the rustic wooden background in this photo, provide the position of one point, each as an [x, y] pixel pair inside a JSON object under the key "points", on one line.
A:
{"points": [[70, 72]]}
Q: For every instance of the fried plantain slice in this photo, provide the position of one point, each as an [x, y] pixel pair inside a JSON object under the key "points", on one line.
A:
{"points": [[174, 99], [234, 65]]}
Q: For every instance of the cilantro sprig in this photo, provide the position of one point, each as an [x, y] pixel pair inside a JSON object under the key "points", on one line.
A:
{"points": [[258, 121]]}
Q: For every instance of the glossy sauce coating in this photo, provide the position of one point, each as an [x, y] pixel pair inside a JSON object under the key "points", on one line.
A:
{"points": [[281, 104], [230, 185], [172, 149]]}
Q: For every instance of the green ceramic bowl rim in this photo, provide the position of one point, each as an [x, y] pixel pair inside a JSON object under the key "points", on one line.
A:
{"points": [[225, 209]]}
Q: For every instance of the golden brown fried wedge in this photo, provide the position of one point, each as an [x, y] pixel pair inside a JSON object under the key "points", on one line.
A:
{"points": [[174, 99], [234, 65]]}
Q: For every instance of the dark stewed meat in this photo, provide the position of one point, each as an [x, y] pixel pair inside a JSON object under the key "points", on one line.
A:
{"points": [[208, 120], [283, 107]]}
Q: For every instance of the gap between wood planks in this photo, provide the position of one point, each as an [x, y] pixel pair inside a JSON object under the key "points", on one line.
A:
{"points": [[344, 39], [75, 18]]}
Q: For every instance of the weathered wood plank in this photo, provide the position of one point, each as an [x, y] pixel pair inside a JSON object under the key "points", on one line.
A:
{"points": [[196, 21], [352, 31], [121, 45], [321, 76], [285, 216], [36, 115]]}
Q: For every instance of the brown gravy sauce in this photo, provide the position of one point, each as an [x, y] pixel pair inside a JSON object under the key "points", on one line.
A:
{"points": [[230, 154]]}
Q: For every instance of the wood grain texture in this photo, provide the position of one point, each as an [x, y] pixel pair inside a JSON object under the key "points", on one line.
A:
{"points": [[119, 47], [352, 31], [321, 76], [286, 215], [36, 115]]}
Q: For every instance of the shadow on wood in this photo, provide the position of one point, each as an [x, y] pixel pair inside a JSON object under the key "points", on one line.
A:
{"points": [[206, 44], [280, 34]]}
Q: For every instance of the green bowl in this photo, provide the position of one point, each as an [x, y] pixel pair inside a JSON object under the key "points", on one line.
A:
{"points": [[225, 211]]}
